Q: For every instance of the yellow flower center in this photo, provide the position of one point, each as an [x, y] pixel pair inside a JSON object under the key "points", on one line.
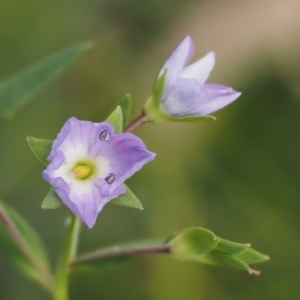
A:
{"points": [[82, 171]]}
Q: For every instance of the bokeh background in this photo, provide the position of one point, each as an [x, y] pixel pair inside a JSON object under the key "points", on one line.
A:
{"points": [[238, 176]]}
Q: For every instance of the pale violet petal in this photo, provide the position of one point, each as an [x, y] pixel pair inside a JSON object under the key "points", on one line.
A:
{"points": [[216, 97], [184, 97], [201, 69], [177, 61], [125, 154], [86, 197], [119, 190]]}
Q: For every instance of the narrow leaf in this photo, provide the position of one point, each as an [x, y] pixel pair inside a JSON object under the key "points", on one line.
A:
{"points": [[193, 242], [23, 246], [116, 119], [125, 104], [102, 265], [16, 90], [52, 201], [40, 147], [128, 199]]}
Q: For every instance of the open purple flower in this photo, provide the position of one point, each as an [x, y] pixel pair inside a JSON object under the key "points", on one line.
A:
{"points": [[186, 93], [89, 164]]}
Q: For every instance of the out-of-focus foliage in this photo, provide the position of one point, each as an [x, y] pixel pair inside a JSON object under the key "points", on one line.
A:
{"points": [[16, 90], [237, 176]]}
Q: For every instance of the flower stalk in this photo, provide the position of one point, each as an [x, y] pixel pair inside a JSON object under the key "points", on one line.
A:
{"points": [[61, 291], [122, 251], [138, 122]]}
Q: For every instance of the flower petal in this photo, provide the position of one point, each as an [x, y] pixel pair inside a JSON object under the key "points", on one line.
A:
{"points": [[81, 138], [216, 97], [179, 58], [125, 153], [114, 194], [201, 69], [184, 97], [61, 137]]}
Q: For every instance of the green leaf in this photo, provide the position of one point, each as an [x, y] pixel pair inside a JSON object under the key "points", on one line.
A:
{"points": [[231, 248], [251, 256], [102, 265], [128, 199], [125, 104], [116, 119], [16, 90], [52, 201], [193, 242], [40, 147], [23, 246]]}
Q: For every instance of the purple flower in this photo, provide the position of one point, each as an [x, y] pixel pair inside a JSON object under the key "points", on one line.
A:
{"points": [[89, 164], [186, 93]]}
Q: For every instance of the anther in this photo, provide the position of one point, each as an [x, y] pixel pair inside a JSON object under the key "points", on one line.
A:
{"points": [[110, 178], [104, 136]]}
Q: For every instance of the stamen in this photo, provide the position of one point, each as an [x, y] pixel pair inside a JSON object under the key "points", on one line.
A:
{"points": [[81, 172], [110, 178], [105, 135]]}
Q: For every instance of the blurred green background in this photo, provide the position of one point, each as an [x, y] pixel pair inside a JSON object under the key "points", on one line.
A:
{"points": [[238, 176]]}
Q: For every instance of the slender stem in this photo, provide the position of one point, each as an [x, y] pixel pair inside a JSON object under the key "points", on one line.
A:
{"points": [[69, 253], [138, 122], [119, 251], [46, 277]]}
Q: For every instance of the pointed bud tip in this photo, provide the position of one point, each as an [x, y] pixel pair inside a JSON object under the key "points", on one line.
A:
{"points": [[254, 272]]}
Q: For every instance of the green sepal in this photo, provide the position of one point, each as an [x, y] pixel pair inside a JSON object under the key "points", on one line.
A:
{"points": [[231, 248], [17, 89], [193, 242], [152, 105], [13, 226], [251, 256], [41, 148], [125, 104], [217, 258], [128, 199], [162, 116], [116, 119], [52, 200], [159, 89]]}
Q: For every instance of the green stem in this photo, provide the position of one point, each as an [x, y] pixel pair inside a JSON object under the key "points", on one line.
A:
{"points": [[122, 251], [61, 291]]}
